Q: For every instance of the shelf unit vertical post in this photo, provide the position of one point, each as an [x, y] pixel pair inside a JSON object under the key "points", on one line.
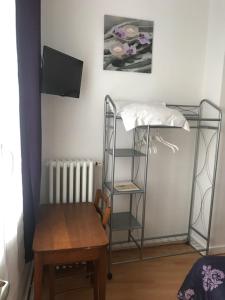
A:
{"points": [[214, 177], [105, 137], [144, 195], [194, 174], [112, 180], [132, 178], [201, 126]]}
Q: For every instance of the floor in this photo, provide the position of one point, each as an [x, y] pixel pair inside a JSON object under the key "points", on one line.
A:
{"points": [[154, 279]]}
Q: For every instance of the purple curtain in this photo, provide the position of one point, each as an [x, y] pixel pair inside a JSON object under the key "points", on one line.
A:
{"points": [[28, 51]]}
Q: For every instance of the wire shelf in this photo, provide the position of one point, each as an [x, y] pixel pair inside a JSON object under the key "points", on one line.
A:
{"points": [[124, 221], [126, 152], [114, 191]]}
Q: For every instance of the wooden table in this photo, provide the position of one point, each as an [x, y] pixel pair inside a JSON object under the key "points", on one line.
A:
{"points": [[68, 233]]}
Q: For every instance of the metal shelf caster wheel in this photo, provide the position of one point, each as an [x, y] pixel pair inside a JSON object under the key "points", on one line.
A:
{"points": [[109, 275]]}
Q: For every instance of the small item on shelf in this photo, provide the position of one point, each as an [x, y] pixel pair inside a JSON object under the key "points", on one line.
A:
{"points": [[126, 186]]}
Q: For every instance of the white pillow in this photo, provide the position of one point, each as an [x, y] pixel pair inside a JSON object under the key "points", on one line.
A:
{"points": [[139, 114]]}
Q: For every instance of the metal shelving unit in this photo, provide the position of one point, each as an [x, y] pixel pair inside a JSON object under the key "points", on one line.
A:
{"points": [[200, 121]]}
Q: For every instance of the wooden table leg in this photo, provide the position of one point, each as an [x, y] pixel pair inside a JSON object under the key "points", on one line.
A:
{"points": [[51, 281], [96, 281], [102, 269], [38, 273]]}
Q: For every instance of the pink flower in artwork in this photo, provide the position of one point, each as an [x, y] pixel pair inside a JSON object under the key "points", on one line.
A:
{"points": [[129, 50], [119, 32], [144, 38]]}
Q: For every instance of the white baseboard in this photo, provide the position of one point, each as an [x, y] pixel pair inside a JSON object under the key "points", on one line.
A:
{"points": [[217, 249], [149, 243], [214, 250]]}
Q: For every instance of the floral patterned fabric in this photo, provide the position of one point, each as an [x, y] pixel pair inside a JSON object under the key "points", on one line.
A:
{"points": [[205, 281]]}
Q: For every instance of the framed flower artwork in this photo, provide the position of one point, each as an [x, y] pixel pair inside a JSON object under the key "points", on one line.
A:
{"points": [[128, 44]]}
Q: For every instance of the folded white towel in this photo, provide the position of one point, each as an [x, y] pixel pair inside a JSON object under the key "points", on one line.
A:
{"points": [[155, 114]]}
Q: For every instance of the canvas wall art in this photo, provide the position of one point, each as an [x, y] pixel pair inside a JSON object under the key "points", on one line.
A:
{"points": [[127, 44]]}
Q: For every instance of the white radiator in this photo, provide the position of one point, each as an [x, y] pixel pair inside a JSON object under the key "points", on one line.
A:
{"points": [[70, 181]]}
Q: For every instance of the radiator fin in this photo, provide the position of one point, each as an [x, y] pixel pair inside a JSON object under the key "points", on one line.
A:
{"points": [[70, 181]]}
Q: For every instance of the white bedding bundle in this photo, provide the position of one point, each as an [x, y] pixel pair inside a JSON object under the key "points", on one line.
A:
{"points": [[136, 114]]}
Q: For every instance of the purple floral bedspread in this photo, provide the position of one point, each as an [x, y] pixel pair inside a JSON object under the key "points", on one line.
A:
{"points": [[205, 281]]}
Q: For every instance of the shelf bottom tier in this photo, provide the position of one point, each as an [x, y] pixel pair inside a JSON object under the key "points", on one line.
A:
{"points": [[124, 221]]}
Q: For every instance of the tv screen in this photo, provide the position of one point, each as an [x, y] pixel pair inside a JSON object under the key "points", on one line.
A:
{"points": [[61, 73]]}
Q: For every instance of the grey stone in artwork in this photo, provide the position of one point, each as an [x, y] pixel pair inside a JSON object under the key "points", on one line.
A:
{"points": [[128, 44]]}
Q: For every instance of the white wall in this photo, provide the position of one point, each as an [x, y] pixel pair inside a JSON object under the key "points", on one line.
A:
{"points": [[215, 47], [218, 238], [73, 128], [214, 89]]}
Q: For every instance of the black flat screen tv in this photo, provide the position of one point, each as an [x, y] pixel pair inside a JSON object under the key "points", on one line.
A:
{"points": [[61, 73]]}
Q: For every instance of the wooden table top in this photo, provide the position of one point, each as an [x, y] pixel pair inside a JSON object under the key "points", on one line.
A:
{"points": [[68, 226]]}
